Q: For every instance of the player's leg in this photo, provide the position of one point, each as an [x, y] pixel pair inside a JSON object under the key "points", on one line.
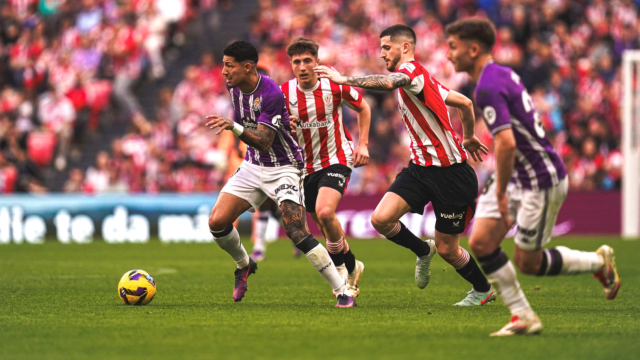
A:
{"points": [[536, 220], [285, 187], [488, 232], [331, 184], [386, 220], [259, 229], [453, 193], [238, 195]]}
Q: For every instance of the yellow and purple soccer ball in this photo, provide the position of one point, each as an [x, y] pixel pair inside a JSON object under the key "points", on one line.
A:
{"points": [[136, 287]]}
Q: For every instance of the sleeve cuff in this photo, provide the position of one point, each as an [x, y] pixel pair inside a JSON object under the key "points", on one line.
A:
{"points": [[500, 128]]}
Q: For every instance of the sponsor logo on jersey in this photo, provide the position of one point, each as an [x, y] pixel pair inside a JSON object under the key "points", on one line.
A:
{"points": [[293, 103], [286, 187], [452, 216], [249, 123]]}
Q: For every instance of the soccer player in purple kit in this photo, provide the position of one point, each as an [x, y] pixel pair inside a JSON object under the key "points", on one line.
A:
{"points": [[529, 186], [272, 168]]}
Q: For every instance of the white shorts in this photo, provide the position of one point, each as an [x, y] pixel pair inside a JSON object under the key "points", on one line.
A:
{"points": [[535, 211], [255, 184]]}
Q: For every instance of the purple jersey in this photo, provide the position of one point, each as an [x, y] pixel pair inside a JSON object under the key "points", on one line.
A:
{"points": [[266, 105], [505, 103]]}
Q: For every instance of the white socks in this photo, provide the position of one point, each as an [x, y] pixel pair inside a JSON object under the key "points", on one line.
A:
{"points": [[230, 242], [319, 258], [505, 282], [259, 230], [579, 262]]}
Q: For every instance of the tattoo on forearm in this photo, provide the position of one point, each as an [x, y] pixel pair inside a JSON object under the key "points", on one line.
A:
{"points": [[379, 82], [295, 221], [260, 138]]}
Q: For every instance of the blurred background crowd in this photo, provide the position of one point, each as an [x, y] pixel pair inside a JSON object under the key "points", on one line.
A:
{"points": [[70, 75]]}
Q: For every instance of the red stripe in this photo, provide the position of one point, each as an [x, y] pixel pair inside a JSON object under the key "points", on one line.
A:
{"points": [[337, 123], [306, 133], [468, 217], [434, 101], [425, 154], [324, 133], [422, 122]]}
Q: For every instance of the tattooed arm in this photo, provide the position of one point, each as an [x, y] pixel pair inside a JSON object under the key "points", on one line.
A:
{"points": [[373, 82], [260, 138], [294, 218]]}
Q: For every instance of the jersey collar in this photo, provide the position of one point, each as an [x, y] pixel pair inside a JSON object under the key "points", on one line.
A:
{"points": [[490, 61], [256, 88], [308, 90]]}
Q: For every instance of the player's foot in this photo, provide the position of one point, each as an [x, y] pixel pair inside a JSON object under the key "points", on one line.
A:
{"points": [[241, 279], [608, 275], [520, 326], [346, 301], [423, 266], [477, 298], [258, 255], [354, 278]]}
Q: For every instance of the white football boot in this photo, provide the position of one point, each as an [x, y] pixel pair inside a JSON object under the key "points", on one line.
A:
{"points": [[477, 298], [521, 326], [423, 266], [354, 278], [608, 276]]}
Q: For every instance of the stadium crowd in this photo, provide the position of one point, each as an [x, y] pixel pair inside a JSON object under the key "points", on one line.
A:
{"points": [[567, 52]]}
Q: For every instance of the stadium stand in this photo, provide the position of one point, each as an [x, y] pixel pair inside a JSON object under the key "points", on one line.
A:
{"points": [[66, 66]]}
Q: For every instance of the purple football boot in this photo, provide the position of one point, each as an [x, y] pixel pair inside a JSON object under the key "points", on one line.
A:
{"points": [[241, 279], [346, 301]]}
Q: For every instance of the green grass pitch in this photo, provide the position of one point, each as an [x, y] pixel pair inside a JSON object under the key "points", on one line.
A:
{"points": [[61, 302]]}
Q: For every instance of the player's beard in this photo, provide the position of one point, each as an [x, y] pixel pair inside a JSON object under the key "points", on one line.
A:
{"points": [[394, 63]]}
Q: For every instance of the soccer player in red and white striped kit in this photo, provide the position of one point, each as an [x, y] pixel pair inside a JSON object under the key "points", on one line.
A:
{"points": [[438, 172], [329, 153]]}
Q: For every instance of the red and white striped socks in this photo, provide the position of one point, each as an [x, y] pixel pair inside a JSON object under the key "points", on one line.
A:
{"points": [[336, 247], [462, 261]]}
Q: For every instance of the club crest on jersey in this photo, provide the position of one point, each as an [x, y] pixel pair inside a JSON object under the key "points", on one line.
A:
{"points": [[256, 104], [327, 99]]}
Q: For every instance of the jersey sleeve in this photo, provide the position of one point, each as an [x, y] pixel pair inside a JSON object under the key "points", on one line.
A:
{"points": [[416, 77], [272, 106], [350, 97], [444, 91], [495, 109]]}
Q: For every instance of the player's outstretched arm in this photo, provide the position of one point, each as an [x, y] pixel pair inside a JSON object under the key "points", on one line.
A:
{"points": [[260, 138], [373, 82], [465, 109]]}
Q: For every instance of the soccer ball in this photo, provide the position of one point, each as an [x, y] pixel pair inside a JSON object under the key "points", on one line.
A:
{"points": [[136, 287]]}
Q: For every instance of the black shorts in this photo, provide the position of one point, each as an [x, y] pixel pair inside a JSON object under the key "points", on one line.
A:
{"points": [[334, 176], [451, 190]]}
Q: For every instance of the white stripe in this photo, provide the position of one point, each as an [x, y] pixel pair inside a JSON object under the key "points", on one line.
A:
{"points": [[553, 172], [443, 136], [528, 168], [332, 149]]}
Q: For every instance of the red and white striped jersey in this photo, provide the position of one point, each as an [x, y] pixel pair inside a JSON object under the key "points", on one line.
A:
{"points": [[425, 115], [321, 131]]}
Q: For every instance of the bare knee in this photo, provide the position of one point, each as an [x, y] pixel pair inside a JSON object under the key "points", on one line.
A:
{"points": [[448, 253], [325, 216], [481, 248], [382, 224], [295, 221], [217, 223]]}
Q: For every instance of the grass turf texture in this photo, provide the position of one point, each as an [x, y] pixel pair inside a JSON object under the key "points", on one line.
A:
{"points": [[61, 302]]}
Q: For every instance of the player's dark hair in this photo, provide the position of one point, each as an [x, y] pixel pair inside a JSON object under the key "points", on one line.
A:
{"points": [[474, 29], [303, 46], [399, 30], [242, 51]]}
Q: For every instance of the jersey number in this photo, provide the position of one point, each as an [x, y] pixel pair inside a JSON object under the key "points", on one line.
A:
{"points": [[528, 106]]}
